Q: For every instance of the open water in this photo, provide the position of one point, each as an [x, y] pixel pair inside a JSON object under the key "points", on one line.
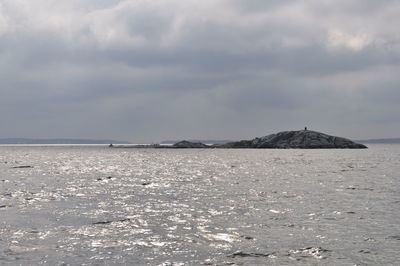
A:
{"points": [[102, 206]]}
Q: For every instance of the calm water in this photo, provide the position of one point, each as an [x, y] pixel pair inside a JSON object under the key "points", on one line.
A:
{"points": [[101, 206]]}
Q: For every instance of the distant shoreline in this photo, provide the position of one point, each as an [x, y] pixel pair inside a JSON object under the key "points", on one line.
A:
{"points": [[380, 141], [57, 141], [57, 145], [93, 142]]}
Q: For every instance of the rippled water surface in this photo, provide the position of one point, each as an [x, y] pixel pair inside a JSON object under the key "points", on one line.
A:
{"points": [[102, 206]]}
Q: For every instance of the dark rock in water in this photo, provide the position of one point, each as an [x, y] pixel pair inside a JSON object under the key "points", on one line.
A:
{"points": [[110, 222], [102, 222], [101, 179], [22, 167], [189, 145], [302, 139], [250, 254]]}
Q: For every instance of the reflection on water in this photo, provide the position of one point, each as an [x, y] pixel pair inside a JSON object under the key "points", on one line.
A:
{"points": [[94, 205]]}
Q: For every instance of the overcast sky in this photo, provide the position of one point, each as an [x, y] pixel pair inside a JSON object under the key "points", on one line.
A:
{"points": [[149, 70]]}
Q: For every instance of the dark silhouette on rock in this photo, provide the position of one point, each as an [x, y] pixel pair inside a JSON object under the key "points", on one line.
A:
{"points": [[302, 139]]}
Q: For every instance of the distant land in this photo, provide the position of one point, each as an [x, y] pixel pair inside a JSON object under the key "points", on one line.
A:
{"points": [[380, 141], [365, 141], [300, 139], [59, 141]]}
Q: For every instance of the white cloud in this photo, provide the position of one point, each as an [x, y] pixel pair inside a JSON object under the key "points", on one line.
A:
{"points": [[355, 42]]}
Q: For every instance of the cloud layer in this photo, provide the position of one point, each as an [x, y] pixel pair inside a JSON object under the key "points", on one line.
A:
{"points": [[150, 70]]}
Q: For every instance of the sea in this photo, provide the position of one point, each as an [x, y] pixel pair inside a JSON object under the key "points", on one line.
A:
{"points": [[94, 205]]}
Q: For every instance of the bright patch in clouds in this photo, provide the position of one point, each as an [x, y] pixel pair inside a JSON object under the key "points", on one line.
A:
{"points": [[355, 42]]}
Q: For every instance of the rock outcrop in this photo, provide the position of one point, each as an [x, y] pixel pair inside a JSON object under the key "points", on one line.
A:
{"points": [[189, 145], [302, 139]]}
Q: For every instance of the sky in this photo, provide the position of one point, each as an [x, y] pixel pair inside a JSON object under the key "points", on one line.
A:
{"points": [[146, 71]]}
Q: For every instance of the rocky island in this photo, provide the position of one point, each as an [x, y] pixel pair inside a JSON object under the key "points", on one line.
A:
{"points": [[301, 139], [187, 144]]}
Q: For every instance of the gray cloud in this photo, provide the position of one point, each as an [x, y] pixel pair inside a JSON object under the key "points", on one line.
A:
{"points": [[148, 70]]}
